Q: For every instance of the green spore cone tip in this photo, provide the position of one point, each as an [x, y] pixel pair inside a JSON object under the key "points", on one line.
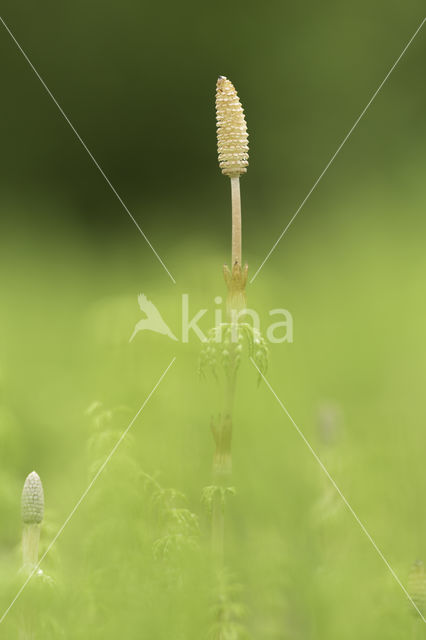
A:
{"points": [[32, 502]]}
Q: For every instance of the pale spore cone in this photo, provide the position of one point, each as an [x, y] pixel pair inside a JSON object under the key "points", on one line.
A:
{"points": [[232, 136], [32, 502]]}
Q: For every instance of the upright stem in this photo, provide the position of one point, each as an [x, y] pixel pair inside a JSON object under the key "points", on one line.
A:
{"points": [[236, 221], [30, 544], [222, 432], [222, 466], [218, 533]]}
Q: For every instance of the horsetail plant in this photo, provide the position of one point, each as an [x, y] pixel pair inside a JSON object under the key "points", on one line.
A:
{"points": [[223, 349], [232, 146], [225, 343], [32, 511]]}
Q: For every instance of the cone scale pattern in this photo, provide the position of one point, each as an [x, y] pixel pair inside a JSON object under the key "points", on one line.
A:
{"points": [[232, 137], [32, 504]]}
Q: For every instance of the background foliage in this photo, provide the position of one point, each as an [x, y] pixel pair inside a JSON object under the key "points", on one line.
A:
{"points": [[138, 83]]}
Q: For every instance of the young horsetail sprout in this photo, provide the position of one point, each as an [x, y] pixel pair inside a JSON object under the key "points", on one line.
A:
{"points": [[232, 147], [32, 510]]}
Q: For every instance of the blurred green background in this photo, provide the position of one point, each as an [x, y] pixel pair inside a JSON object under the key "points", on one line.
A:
{"points": [[137, 81]]}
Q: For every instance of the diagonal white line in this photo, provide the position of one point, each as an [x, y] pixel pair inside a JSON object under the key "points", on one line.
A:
{"points": [[95, 162], [339, 148], [321, 464], [86, 491]]}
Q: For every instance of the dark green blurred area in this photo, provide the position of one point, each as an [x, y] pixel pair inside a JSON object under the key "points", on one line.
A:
{"points": [[138, 81]]}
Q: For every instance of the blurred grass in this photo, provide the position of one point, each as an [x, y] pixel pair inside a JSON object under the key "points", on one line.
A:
{"points": [[69, 307]]}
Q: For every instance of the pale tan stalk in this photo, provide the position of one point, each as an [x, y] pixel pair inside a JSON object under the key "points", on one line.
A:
{"points": [[30, 546], [236, 221]]}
